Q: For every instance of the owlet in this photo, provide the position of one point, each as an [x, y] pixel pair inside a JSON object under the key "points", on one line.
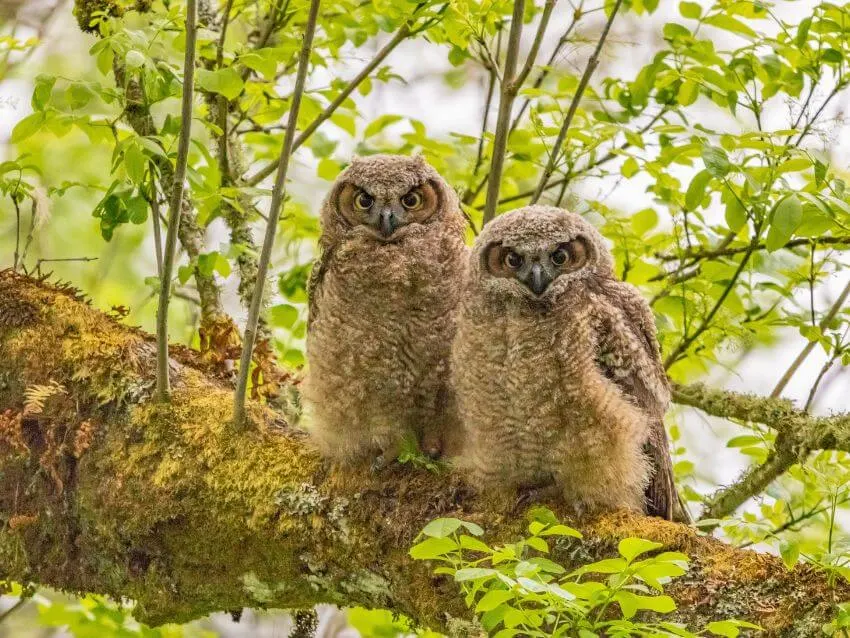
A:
{"points": [[383, 299], [557, 371]]}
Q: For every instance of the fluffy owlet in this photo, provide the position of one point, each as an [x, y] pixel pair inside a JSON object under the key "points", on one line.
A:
{"points": [[383, 300], [557, 370]]}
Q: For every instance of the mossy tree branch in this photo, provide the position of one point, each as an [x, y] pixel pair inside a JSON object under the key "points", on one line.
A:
{"points": [[798, 433], [106, 491]]}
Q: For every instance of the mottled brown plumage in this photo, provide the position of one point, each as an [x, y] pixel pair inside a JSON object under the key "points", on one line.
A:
{"points": [[557, 370], [383, 299]]}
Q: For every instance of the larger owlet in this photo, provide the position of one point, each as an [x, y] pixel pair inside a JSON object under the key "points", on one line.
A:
{"points": [[383, 300], [557, 370]]}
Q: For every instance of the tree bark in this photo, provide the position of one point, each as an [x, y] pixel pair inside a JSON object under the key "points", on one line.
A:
{"points": [[103, 490]]}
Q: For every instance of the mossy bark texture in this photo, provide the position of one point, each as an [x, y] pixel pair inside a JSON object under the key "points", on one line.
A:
{"points": [[102, 490]]}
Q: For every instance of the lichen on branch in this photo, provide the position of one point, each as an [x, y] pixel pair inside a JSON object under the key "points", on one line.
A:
{"points": [[169, 506]]}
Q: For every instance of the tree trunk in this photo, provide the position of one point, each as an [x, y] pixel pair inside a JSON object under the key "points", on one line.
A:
{"points": [[102, 490]]}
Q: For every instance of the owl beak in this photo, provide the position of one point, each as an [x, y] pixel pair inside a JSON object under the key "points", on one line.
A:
{"points": [[538, 279], [387, 222]]}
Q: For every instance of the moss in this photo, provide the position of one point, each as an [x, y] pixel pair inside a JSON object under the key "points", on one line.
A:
{"points": [[172, 507]]}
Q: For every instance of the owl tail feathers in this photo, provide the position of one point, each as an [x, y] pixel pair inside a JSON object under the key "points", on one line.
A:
{"points": [[680, 511]]}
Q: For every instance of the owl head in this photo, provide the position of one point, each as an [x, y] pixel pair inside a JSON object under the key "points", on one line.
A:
{"points": [[534, 254], [388, 197]]}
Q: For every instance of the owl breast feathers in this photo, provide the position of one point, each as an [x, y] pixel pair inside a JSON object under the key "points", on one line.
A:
{"points": [[557, 370], [383, 299]]}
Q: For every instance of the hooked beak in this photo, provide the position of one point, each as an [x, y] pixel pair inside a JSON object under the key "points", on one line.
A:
{"points": [[387, 222], [538, 279]]}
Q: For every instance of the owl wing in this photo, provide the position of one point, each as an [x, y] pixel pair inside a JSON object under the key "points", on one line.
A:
{"points": [[314, 283], [629, 356]]}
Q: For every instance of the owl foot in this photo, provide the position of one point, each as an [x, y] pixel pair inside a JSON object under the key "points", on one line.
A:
{"points": [[530, 495]]}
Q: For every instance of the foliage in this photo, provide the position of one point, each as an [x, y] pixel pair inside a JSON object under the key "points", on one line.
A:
{"points": [[735, 223], [515, 587]]}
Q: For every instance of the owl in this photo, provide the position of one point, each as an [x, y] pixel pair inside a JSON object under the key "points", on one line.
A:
{"points": [[557, 371], [383, 298]]}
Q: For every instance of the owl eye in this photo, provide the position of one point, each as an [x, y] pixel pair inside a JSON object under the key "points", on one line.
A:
{"points": [[363, 201], [560, 256], [514, 260], [412, 200]]}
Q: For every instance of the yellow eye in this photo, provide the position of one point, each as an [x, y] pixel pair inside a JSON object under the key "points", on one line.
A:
{"points": [[412, 200], [363, 201]]}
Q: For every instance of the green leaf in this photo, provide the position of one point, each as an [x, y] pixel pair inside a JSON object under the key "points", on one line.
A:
{"points": [[28, 127], [688, 93], [723, 628], [184, 273], [786, 218], [78, 95], [442, 527], [561, 530], [226, 82], [690, 10], [736, 216], [379, 124], [137, 209], [468, 542], [432, 548], [42, 92], [790, 552], [716, 160], [134, 59], [493, 599], [630, 167], [728, 23], [328, 169], [135, 163], [538, 543], [631, 548], [473, 573], [283, 315], [696, 190]]}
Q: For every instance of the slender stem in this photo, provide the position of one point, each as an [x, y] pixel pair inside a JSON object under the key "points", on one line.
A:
{"points": [[18, 604], [535, 45], [491, 86], [403, 33], [17, 232], [157, 229], [278, 195], [163, 386], [544, 73], [503, 120], [687, 341], [814, 390], [807, 350], [592, 63], [712, 253]]}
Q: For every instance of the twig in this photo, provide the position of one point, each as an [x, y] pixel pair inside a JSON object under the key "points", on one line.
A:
{"points": [[157, 229], [685, 343], [807, 350], [508, 92], [535, 45], [403, 33], [491, 86], [17, 232], [163, 386], [278, 195], [753, 482], [700, 255], [18, 604], [592, 63]]}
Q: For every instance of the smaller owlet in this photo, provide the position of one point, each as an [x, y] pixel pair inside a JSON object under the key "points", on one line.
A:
{"points": [[557, 370], [383, 301]]}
